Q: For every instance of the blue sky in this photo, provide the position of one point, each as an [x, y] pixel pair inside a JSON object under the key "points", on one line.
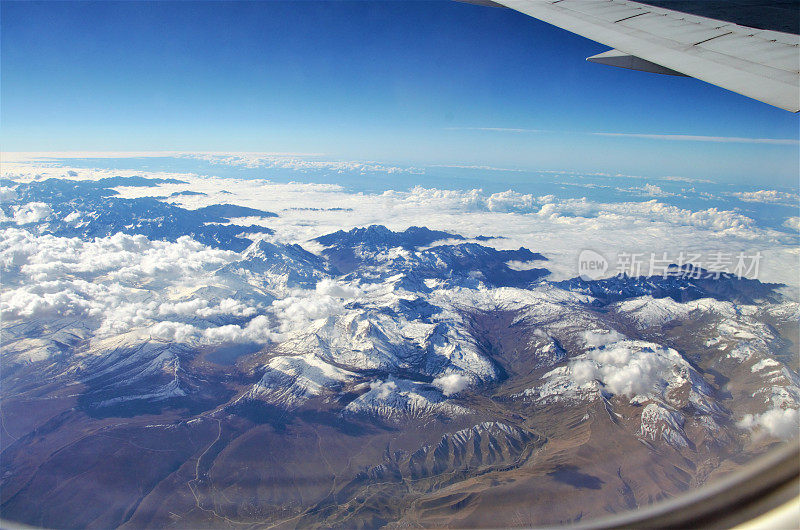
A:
{"points": [[405, 82]]}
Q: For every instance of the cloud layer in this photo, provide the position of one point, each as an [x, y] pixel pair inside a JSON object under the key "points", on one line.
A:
{"points": [[557, 227]]}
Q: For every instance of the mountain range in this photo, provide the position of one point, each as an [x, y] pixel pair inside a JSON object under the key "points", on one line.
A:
{"points": [[386, 378]]}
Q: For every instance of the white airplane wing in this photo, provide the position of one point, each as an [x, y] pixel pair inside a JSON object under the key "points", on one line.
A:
{"points": [[760, 64]]}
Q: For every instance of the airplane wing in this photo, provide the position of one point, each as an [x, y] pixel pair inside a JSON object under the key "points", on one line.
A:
{"points": [[760, 64]]}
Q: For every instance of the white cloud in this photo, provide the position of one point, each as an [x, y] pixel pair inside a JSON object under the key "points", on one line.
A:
{"points": [[173, 331], [777, 422], [483, 168], [559, 229], [34, 157], [648, 190], [598, 338], [523, 265], [629, 372], [299, 163], [627, 367], [769, 197], [124, 258], [7, 194], [793, 223], [117, 284], [257, 330], [451, 384], [712, 218], [72, 217], [23, 303], [466, 201], [32, 212], [687, 179], [122, 283], [296, 312], [199, 307], [125, 283], [330, 287], [382, 389]]}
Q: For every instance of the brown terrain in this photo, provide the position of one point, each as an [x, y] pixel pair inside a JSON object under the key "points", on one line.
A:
{"points": [[250, 464]]}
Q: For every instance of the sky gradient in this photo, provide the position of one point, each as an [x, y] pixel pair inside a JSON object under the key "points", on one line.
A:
{"points": [[406, 82]]}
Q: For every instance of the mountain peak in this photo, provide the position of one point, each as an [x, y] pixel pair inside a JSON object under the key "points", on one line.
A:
{"points": [[266, 251], [378, 236]]}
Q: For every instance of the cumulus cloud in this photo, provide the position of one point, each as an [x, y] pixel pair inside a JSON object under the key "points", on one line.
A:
{"points": [[768, 197], [32, 212], [601, 337], [629, 372], [122, 281], [578, 212], [298, 311], [257, 330], [712, 218], [118, 284], [382, 389], [199, 307], [115, 284], [451, 384], [124, 258], [626, 367], [299, 163], [333, 288], [26, 303], [468, 201], [556, 227], [7, 194], [793, 223], [648, 190], [687, 179], [173, 331], [777, 422]]}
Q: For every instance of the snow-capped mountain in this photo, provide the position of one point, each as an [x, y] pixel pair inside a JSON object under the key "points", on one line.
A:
{"points": [[376, 253], [277, 267], [425, 360], [87, 209], [377, 236]]}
